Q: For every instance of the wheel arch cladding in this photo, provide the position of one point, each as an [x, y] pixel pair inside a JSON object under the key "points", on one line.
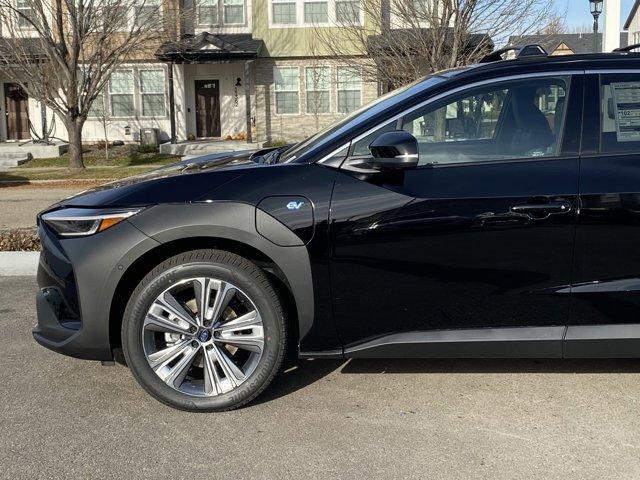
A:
{"points": [[226, 226]]}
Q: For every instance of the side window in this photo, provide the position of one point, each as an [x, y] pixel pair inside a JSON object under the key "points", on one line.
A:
{"points": [[470, 118], [361, 147], [620, 113], [519, 119]]}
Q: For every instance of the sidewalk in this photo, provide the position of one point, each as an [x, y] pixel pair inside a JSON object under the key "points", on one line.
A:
{"points": [[14, 264]]}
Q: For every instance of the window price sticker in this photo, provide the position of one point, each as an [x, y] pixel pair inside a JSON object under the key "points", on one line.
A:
{"points": [[626, 97]]}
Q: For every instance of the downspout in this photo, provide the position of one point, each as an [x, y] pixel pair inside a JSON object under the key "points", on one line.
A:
{"points": [[247, 98], [172, 105]]}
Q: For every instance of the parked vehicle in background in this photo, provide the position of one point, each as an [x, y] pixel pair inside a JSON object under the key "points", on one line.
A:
{"points": [[487, 211]]}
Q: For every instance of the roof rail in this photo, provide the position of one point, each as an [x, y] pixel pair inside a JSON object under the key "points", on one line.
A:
{"points": [[628, 48], [532, 50]]}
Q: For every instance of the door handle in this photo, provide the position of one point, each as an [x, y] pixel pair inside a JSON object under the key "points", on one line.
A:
{"points": [[542, 210]]}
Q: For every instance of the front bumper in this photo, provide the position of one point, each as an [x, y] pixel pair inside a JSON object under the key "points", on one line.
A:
{"points": [[77, 279]]}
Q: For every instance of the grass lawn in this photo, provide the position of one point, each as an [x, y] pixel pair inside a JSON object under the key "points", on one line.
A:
{"points": [[122, 156], [123, 161]]}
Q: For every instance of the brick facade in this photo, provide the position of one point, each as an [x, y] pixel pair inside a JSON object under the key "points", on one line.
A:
{"points": [[272, 126]]}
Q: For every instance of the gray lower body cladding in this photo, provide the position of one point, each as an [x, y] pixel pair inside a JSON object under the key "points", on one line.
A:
{"points": [[78, 277]]}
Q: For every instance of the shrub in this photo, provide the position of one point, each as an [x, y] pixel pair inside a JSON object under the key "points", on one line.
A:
{"points": [[147, 149], [277, 142]]}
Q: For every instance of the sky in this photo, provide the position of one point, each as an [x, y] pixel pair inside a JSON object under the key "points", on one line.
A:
{"points": [[578, 13]]}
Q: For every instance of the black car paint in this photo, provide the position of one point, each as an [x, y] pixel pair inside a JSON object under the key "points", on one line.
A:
{"points": [[423, 262]]}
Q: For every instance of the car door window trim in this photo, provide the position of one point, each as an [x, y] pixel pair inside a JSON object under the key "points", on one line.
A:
{"points": [[463, 88]]}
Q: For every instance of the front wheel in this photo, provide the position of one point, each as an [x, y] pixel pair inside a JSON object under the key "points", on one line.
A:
{"points": [[204, 331]]}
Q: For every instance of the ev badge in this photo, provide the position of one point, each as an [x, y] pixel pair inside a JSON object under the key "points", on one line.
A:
{"points": [[294, 205]]}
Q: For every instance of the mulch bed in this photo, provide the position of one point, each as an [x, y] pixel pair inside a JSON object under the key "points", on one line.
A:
{"points": [[19, 239], [63, 183]]}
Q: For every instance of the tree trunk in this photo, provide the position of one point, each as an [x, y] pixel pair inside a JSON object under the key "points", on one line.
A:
{"points": [[74, 129]]}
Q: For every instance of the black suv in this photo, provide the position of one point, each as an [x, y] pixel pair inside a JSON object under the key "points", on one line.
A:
{"points": [[487, 211]]}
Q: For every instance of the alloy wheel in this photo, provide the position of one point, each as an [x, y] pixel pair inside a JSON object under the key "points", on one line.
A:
{"points": [[203, 336]]}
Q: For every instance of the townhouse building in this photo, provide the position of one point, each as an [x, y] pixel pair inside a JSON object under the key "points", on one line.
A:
{"points": [[242, 69]]}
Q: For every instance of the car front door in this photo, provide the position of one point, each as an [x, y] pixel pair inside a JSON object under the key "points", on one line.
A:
{"points": [[479, 235]]}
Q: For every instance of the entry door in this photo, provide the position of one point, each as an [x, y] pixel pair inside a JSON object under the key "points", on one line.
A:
{"points": [[480, 234], [208, 108], [16, 104]]}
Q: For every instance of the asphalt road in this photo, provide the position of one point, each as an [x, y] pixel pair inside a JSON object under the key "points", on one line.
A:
{"points": [[65, 418], [19, 205]]}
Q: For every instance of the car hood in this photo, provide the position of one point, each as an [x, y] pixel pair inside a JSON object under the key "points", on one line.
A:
{"points": [[179, 182]]}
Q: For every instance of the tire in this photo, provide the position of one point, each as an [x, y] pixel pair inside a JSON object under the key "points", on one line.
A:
{"points": [[210, 383]]}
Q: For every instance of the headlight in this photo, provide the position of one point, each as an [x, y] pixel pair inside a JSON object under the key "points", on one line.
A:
{"points": [[77, 222]]}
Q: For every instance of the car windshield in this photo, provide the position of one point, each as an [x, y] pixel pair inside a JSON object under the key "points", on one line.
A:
{"points": [[374, 108]]}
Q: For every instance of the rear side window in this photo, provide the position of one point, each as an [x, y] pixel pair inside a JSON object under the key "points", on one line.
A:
{"points": [[620, 113]]}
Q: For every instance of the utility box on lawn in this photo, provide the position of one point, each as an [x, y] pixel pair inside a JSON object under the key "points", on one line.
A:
{"points": [[149, 138]]}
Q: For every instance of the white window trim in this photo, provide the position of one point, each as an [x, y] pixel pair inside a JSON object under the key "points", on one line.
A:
{"points": [[104, 96], [359, 70], [133, 95], [359, 22], [221, 22], [26, 28], [244, 14], [275, 92], [142, 94], [137, 96], [132, 13], [300, 23], [306, 90], [148, 3]]}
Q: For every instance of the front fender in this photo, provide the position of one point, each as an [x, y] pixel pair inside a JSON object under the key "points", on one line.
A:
{"points": [[237, 221]]}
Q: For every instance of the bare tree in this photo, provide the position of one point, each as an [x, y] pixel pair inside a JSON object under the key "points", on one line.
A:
{"points": [[62, 52], [556, 25], [582, 28], [402, 40]]}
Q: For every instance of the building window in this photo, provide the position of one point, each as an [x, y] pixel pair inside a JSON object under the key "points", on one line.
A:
{"points": [[215, 12], [207, 12], [307, 13], [318, 83], [233, 11], [283, 12], [287, 85], [347, 12], [349, 89], [117, 13], [121, 93], [147, 11], [420, 7], [152, 92], [25, 14], [636, 38], [97, 109], [316, 12]]}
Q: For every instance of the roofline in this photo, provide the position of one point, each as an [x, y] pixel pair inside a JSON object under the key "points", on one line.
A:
{"points": [[632, 14]]}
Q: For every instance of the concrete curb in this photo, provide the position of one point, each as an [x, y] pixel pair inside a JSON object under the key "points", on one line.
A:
{"points": [[13, 264]]}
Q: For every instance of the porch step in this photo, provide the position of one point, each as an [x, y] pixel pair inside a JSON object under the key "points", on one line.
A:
{"points": [[204, 148], [13, 159], [34, 150]]}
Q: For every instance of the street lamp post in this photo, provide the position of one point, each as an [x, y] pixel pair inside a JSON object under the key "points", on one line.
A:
{"points": [[596, 10]]}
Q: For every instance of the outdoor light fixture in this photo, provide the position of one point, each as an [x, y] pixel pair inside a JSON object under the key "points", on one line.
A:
{"points": [[237, 85], [596, 9]]}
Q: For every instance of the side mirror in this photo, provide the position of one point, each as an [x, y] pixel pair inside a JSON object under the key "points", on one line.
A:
{"points": [[394, 151]]}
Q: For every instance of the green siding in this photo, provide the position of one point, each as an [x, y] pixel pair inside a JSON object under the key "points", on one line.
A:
{"points": [[286, 42]]}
